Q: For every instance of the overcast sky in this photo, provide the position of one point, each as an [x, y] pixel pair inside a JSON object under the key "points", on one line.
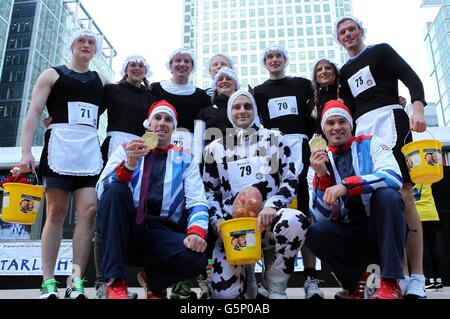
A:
{"points": [[153, 28]]}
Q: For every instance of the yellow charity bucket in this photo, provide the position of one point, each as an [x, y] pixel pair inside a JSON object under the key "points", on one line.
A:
{"points": [[242, 241], [424, 161], [21, 202], [293, 204]]}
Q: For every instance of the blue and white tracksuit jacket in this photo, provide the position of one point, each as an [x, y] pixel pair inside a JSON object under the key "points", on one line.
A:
{"points": [[374, 167], [183, 199]]}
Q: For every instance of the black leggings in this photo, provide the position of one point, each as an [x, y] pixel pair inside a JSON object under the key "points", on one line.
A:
{"points": [[432, 254]]}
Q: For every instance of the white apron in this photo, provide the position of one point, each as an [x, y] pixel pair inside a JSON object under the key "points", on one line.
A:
{"points": [[379, 122], [74, 150], [295, 142]]}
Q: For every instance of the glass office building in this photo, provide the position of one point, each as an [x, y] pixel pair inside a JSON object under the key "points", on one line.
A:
{"points": [[37, 39], [5, 17], [242, 29], [437, 42]]}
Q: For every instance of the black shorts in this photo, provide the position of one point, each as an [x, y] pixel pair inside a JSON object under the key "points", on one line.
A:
{"points": [[70, 183], [403, 137]]}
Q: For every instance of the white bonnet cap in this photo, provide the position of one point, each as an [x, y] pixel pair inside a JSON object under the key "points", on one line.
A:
{"points": [[181, 51], [136, 58], [84, 32], [228, 72], [274, 49], [342, 19]]}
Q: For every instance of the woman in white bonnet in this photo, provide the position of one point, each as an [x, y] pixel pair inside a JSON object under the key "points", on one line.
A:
{"points": [[127, 104]]}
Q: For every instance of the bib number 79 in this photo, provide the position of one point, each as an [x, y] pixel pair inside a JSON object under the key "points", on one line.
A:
{"points": [[246, 170]]}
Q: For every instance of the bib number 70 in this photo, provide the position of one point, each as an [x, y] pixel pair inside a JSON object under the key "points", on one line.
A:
{"points": [[282, 106]]}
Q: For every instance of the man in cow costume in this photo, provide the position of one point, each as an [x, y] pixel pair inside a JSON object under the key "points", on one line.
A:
{"points": [[252, 156]]}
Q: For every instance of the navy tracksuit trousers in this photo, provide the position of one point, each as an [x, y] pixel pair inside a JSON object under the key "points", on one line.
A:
{"points": [[153, 245], [348, 248]]}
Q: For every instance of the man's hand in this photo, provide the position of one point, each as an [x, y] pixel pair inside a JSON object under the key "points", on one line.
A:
{"points": [[266, 217], [333, 193], [318, 160], [417, 120], [27, 163], [135, 150], [195, 243]]}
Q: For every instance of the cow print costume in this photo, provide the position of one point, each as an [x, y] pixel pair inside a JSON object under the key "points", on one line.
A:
{"points": [[258, 158]]}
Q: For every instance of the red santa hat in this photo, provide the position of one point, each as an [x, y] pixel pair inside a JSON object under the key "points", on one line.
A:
{"points": [[158, 107], [336, 108]]}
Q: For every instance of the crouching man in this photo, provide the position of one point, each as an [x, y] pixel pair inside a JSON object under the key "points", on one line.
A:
{"points": [[153, 211], [358, 207]]}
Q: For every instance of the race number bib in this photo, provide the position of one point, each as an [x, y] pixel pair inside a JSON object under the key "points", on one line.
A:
{"points": [[361, 81], [247, 172], [82, 113], [183, 140], [281, 106]]}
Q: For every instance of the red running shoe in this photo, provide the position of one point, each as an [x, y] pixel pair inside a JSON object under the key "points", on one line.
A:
{"points": [[389, 289], [157, 295], [356, 292], [117, 290]]}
